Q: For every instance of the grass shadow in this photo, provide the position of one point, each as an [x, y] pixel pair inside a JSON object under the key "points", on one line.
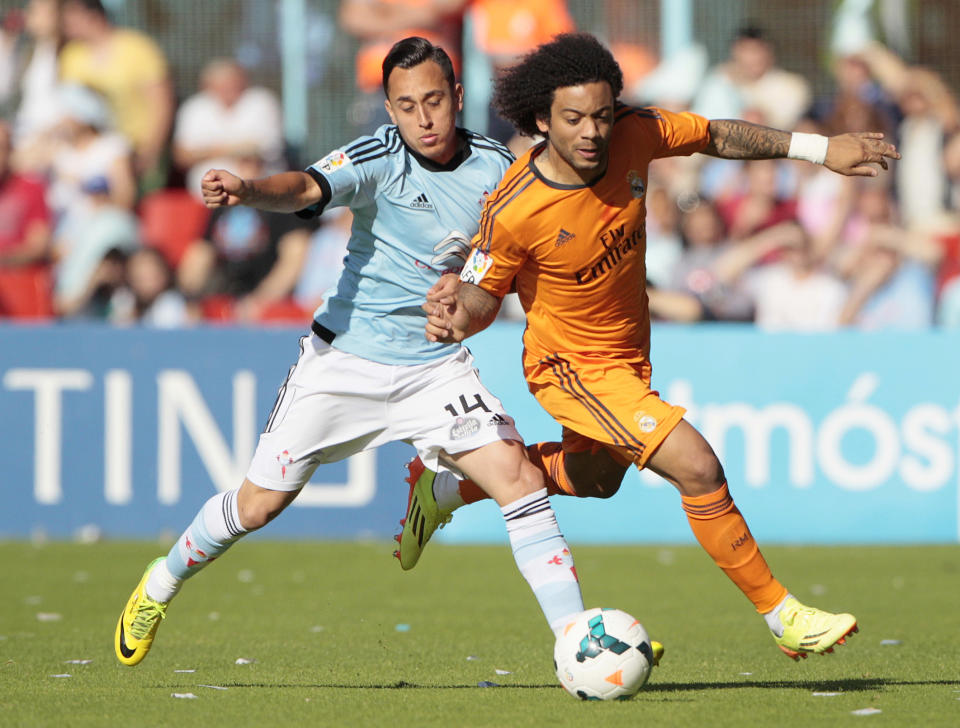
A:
{"points": [[852, 685]]}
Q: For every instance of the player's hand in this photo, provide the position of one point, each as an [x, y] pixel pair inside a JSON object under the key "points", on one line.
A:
{"points": [[221, 188], [444, 290], [853, 154], [442, 308]]}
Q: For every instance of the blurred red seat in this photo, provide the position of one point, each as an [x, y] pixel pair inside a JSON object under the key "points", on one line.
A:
{"points": [[170, 220]]}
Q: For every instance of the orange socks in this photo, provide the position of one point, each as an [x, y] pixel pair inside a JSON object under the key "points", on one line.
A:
{"points": [[723, 533], [548, 457]]}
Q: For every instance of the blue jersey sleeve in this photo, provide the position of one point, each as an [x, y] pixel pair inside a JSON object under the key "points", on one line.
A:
{"points": [[350, 175]]}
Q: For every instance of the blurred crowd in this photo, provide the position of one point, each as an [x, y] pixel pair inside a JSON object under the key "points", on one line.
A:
{"points": [[100, 217]]}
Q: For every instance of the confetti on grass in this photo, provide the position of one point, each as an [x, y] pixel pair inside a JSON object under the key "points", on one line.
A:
{"points": [[503, 672], [243, 661], [402, 628], [49, 617], [825, 695], [191, 670], [487, 684], [62, 674], [471, 658], [891, 642], [866, 711], [212, 687], [187, 696], [77, 662]]}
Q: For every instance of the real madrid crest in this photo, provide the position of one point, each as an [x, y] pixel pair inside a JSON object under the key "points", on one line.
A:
{"points": [[637, 188]]}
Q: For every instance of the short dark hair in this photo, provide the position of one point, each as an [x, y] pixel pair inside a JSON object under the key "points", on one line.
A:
{"points": [[524, 92], [93, 6], [413, 51]]}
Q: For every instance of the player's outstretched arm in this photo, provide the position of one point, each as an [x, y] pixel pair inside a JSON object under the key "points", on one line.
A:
{"points": [[456, 310], [283, 192], [850, 154]]}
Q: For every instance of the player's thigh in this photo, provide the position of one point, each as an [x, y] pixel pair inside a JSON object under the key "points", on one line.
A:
{"points": [[443, 408], [331, 406], [610, 404]]}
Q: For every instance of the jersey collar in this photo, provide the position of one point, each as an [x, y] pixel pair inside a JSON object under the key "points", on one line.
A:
{"points": [[462, 153]]}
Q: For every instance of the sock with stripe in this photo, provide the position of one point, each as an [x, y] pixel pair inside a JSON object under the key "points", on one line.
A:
{"points": [[451, 493], [543, 557], [723, 533], [214, 529]]}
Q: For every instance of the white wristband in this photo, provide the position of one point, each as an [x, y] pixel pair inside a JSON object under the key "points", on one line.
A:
{"points": [[811, 147]]}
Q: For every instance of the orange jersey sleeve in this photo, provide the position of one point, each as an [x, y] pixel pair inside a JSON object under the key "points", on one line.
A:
{"points": [[577, 252]]}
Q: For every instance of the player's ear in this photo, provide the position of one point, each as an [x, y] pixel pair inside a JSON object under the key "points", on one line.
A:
{"points": [[458, 96], [389, 108], [543, 125]]}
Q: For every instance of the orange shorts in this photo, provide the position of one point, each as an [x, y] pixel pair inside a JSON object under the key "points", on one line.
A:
{"points": [[603, 402]]}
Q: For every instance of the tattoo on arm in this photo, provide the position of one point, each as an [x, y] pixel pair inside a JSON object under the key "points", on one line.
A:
{"points": [[482, 307], [735, 139]]}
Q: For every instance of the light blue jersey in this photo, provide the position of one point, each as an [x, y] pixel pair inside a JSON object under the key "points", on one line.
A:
{"points": [[413, 221]]}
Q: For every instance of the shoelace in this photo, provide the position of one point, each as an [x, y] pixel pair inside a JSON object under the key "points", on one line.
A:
{"points": [[790, 618], [147, 614]]}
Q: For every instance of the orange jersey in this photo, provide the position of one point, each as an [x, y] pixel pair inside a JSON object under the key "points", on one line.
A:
{"points": [[577, 252]]}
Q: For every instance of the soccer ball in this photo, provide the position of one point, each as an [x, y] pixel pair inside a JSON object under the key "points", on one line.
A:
{"points": [[603, 654]]}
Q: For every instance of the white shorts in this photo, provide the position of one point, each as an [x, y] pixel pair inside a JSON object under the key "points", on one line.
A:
{"points": [[334, 405]]}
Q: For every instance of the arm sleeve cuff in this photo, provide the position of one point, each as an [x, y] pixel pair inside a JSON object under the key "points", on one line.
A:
{"points": [[314, 210]]}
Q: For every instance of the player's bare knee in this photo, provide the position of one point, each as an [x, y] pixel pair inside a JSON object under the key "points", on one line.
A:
{"points": [[704, 474], [258, 506], [529, 479]]}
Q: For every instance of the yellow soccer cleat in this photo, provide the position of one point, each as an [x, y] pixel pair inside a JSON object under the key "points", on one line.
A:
{"points": [[423, 515], [138, 622], [657, 652], [806, 630]]}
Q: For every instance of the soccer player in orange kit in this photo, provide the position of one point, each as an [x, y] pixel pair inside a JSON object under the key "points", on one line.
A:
{"points": [[566, 226]]}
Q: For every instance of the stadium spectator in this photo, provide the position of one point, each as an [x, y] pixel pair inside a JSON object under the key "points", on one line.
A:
{"points": [[793, 293], [25, 241], [87, 150], [147, 295], [664, 241], [931, 116], [377, 25], [33, 82], [750, 80], [857, 101], [91, 247], [712, 267], [227, 118], [247, 260], [890, 269], [503, 31], [130, 70], [759, 204]]}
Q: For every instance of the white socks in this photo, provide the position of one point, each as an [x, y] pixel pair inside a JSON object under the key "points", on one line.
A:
{"points": [[543, 557]]}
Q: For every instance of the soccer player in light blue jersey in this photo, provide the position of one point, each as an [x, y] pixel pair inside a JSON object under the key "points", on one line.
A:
{"points": [[366, 375]]}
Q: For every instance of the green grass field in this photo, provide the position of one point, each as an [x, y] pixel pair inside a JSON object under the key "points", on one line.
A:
{"points": [[339, 635]]}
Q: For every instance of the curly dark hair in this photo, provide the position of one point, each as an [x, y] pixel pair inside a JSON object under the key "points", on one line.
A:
{"points": [[524, 92]]}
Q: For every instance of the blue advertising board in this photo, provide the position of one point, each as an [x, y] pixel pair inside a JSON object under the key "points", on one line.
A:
{"points": [[850, 437]]}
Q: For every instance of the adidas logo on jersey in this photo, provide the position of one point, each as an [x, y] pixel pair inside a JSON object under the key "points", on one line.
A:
{"points": [[421, 203], [497, 420], [564, 237]]}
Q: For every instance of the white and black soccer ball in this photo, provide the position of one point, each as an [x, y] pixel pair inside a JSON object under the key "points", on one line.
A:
{"points": [[603, 654]]}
